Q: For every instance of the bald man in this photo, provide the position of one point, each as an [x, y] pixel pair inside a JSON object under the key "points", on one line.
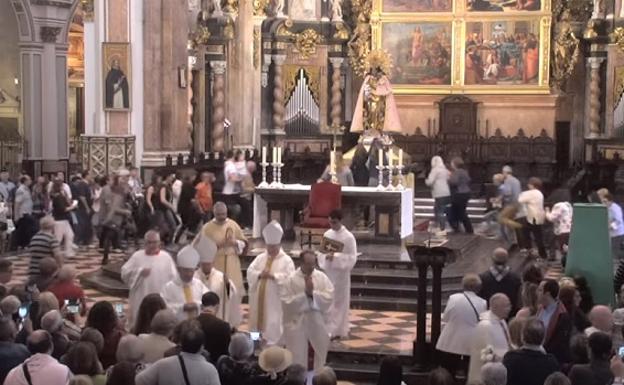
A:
{"points": [[490, 331], [601, 319], [500, 279]]}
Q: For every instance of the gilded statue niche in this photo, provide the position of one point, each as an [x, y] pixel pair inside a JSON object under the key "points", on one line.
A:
{"points": [[566, 50]]}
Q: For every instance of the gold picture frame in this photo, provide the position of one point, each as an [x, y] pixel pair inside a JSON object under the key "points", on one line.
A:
{"points": [[116, 76], [460, 20]]}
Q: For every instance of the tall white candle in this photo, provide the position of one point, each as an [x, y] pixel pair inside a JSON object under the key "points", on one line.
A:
{"points": [[390, 157], [274, 160], [380, 157], [332, 162], [264, 154], [279, 155], [400, 157]]}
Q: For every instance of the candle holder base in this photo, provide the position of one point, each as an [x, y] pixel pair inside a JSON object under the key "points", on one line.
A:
{"points": [[264, 184], [400, 187], [380, 187]]}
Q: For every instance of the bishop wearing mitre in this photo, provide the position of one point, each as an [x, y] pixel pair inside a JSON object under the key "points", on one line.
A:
{"points": [[183, 294], [229, 308], [337, 258], [307, 296], [266, 275]]}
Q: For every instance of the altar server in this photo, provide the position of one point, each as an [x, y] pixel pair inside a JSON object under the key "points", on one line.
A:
{"points": [[183, 293], [306, 298], [337, 258], [146, 272], [229, 301], [266, 276]]}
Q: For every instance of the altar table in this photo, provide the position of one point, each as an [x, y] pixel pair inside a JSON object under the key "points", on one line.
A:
{"points": [[396, 208]]}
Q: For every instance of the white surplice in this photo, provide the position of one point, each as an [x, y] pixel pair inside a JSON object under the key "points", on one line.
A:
{"points": [[305, 318], [173, 294], [229, 308], [281, 268], [339, 272], [490, 331], [162, 270]]}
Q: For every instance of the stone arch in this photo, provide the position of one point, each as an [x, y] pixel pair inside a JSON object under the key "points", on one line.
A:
{"points": [[26, 28]]}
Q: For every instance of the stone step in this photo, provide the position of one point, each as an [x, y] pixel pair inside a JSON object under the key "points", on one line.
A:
{"points": [[367, 374], [430, 201], [392, 290], [390, 303], [470, 209], [396, 277]]}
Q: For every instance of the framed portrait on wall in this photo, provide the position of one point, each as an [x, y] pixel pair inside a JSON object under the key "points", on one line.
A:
{"points": [[421, 52], [409, 6], [116, 67], [503, 5]]}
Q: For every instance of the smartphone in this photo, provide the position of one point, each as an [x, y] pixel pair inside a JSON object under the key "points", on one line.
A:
{"points": [[255, 336], [119, 309], [621, 352], [72, 306], [23, 311]]}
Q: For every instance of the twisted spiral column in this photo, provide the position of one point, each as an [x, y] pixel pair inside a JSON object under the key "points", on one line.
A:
{"points": [[336, 92], [218, 105], [278, 93], [594, 96]]}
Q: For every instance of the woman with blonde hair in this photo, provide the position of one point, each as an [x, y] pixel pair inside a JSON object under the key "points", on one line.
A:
{"points": [[438, 181]]}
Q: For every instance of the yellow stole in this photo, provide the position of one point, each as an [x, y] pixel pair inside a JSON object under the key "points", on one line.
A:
{"points": [[261, 294]]}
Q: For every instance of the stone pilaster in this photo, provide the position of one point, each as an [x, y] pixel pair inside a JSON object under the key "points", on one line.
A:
{"points": [[278, 94], [594, 64], [336, 93], [218, 105]]}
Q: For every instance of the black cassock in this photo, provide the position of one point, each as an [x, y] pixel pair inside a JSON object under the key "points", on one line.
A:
{"points": [[111, 79]]}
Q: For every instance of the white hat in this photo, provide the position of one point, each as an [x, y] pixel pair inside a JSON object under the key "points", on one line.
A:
{"points": [[123, 172], [273, 233], [206, 248], [187, 257]]}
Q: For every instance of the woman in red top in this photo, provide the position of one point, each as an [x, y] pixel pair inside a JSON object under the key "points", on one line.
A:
{"points": [[65, 288]]}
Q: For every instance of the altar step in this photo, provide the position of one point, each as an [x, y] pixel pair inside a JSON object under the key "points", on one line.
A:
{"points": [[423, 209]]}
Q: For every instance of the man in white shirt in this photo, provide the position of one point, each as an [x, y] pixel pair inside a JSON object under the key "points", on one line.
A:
{"points": [[338, 265], [532, 200], [146, 272], [183, 293], [460, 318], [41, 367], [266, 276], [229, 308], [491, 333], [307, 296]]}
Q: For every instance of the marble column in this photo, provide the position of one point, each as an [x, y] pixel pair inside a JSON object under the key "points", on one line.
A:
{"points": [[336, 93], [594, 64], [218, 105], [278, 94]]}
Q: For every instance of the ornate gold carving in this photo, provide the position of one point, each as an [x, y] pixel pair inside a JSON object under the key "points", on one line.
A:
{"points": [[590, 31], [544, 74], [619, 85], [617, 37], [342, 32], [88, 9], [231, 6], [200, 36], [565, 53], [256, 47], [578, 10], [306, 42], [228, 29], [49, 34], [259, 7], [284, 29], [359, 45], [379, 59]]}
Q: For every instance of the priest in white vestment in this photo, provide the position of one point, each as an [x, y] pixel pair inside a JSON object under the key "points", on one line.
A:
{"points": [[146, 272], [337, 258], [307, 297], [266, 276], [229, 308], [183, 294]]}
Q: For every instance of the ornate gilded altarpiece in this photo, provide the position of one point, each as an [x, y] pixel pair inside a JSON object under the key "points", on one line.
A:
{"points": [[465, 46]]}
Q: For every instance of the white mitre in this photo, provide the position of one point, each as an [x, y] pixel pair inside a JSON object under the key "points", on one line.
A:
{"points": [[206, 248], [187, 258], [273, 233]]}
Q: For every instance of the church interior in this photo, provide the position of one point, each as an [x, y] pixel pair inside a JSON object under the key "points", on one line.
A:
{"points": [[302, 89]]}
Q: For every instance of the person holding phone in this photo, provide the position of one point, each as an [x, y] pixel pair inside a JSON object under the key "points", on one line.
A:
{"points": [[67, 290]]}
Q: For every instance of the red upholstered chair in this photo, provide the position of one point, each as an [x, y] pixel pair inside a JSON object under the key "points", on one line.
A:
{"points": [[324, 197]]}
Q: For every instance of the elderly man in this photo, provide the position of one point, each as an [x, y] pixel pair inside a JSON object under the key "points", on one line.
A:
{"points": [[530, 365], [229, 308], [183, 293], [500, 279], [490, 334], [195, 369], [337, 264], [146, 272], [52, 322], [325, 376], [44, 244], [601, 320], [266, 276], [41, 367], [494, 373], [231, 244], [157, 342], [556, 320], [460, 318], [307, 295]]}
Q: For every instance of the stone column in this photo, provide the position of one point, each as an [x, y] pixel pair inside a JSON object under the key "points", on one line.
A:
{"points": [[336, 93], [218, 105], [278, 94], [594, 64]]}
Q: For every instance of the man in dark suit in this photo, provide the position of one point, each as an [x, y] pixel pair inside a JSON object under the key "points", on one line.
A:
{"points": [[500, 279], [556, 319], [216, 331], [598, 371], [530, 365]]}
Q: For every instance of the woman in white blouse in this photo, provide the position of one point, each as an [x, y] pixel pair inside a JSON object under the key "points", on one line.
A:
{"points": [[533, 202]]}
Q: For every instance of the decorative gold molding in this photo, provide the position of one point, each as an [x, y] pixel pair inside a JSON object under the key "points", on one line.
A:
{"points": [[306, 42], [342, 32], [257, 37], [565, 53], [617, 37], [259, 7]]}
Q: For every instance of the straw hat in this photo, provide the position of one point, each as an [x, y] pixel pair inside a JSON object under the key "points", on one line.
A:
{"points": [[274, 360]]}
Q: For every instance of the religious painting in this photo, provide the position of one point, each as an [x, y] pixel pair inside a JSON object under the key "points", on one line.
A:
{"points": [[503, 5], [408, 6], [116, 76], [502, 53], [421, 52]]}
